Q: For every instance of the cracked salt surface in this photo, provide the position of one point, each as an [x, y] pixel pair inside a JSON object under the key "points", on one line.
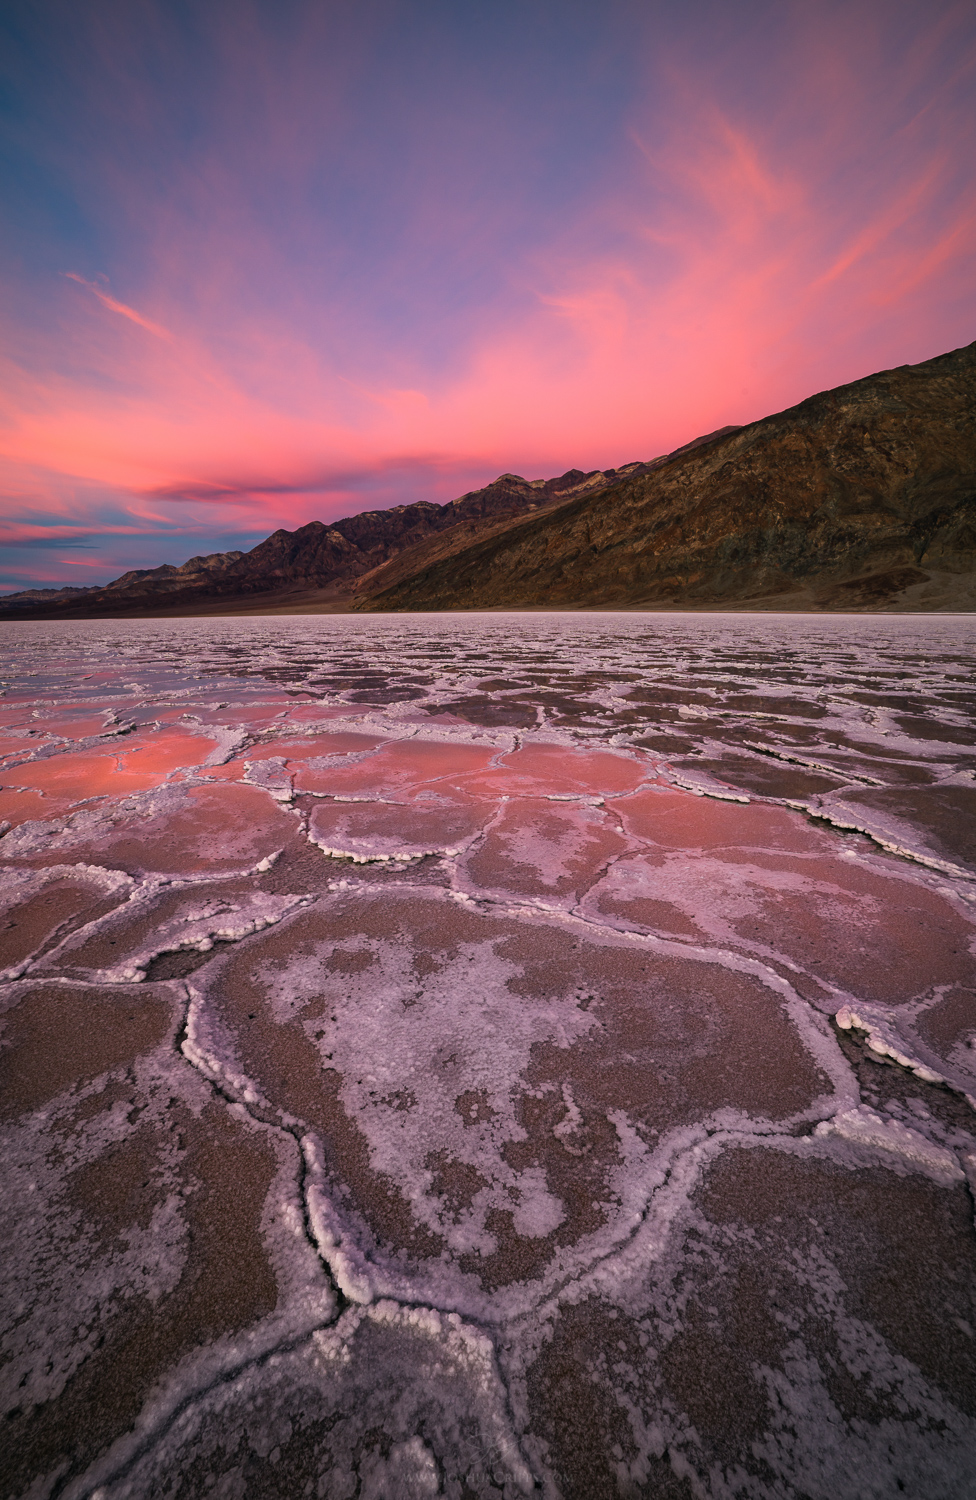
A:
{"points": [[488, 1056]]}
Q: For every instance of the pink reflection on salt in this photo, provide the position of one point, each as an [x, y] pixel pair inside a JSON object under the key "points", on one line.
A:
{"points": [[179, 830], [313, 713], [299, 751], [681, 820], [403, 769], [67, 726], [296, 754], [235, 769], [559, 770], [215, 828], [836, 914], [134, 764], [23, 805], [517, 1070], [12, 744], [370, 830]]}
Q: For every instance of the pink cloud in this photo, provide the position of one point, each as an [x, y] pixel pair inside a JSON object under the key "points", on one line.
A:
{"points": [[18, 533], [120, 307]]}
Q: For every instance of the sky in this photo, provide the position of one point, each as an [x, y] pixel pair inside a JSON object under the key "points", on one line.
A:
{"points": [[264, 262]]}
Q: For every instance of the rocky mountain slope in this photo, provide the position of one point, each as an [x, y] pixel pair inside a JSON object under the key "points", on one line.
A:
{"points": [[317, 559], [863, 497]]}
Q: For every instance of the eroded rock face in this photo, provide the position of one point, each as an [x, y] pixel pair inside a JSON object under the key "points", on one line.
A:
{"points": [[862, 497]]}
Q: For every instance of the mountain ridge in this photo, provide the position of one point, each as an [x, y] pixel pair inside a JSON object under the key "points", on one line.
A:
{"points": [[862, 497], [324, 556]]}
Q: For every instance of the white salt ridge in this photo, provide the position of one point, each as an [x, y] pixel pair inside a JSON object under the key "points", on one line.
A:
{"points": [[702, 785], [351, 1270], [368, 849], [270, 775], [863, 1127], [679, 1172], [839, 772], [334, 762], [229, 741], [885, 1035], [196, 929], [208, 1046], [367, 1277], [887, 831], [374, 854], [883, 1038]]}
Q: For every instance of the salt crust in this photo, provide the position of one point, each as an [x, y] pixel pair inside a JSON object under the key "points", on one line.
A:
{"points": [[201, 923], [85, 826], [919, 1443], [376, 1037], [370, 846], [883, 1039], [885, 1036], [271, 776], [261, 1404], [63, 1291], [702, 785], [863, 1127], [384, 1371], [17, 886], [888, 832]]}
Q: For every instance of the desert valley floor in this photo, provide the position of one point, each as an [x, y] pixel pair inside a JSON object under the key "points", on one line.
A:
{"points": [[482, 1055]]}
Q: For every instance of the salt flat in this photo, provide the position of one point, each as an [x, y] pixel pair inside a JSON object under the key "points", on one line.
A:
{"points": [[489, 1055]]}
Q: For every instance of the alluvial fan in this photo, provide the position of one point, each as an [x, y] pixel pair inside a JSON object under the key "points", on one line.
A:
{"points": [[489, 1055]]}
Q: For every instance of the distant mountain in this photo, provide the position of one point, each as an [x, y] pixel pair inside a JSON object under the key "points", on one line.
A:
{"points": [[863, 497], [319, 561], [138, 582], [29, 598]]}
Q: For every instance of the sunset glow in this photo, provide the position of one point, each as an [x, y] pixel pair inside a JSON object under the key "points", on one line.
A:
{"points": [[269, 264]]}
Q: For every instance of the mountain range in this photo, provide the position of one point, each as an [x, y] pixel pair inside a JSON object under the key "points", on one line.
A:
{"points": [[859, 498]]}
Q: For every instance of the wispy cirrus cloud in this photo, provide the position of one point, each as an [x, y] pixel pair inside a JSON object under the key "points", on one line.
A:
{"points": [[24, 534], [120, 307]]}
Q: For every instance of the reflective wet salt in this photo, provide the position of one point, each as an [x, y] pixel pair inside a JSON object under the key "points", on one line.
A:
{"points": [[489, 1055]]}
